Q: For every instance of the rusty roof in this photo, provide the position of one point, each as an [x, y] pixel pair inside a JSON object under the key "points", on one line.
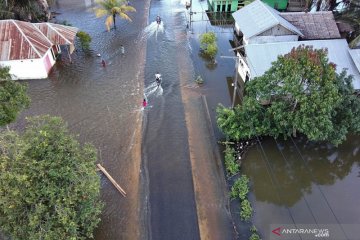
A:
{"points": [[58, 34], [314, 25], [23, 40]]}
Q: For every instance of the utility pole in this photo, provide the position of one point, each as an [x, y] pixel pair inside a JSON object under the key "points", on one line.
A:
{"points": [[191, 13]]}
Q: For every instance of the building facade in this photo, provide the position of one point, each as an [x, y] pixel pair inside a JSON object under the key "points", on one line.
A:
{"points": [[31, 49]]}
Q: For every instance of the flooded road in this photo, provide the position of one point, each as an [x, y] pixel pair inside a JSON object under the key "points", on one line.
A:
{"points": [[171, 206]]}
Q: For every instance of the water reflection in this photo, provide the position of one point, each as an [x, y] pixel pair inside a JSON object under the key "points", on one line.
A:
{"points": [[210, 63], [291, 168]]}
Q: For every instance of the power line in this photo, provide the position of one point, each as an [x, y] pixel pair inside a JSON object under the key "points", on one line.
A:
{"points": [[272, 177], [288, 166], [322, 193]]}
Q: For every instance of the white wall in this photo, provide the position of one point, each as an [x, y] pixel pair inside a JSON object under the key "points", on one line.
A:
{"points": [[29, 68], [277, 30], [243, 68]]}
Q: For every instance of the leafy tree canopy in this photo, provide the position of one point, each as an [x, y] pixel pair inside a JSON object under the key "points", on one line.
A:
{"points": [[208, 44], [13, 97], [301, 92], [49, 188], [85, 39]]}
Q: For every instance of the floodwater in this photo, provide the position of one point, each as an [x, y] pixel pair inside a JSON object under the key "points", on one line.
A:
{"points": [[292, 182], [170, 202], [299, 182], [102, 105]]}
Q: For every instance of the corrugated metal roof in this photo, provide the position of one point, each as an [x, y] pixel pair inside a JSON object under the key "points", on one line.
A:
{"points": [[260, 56], [58, 34], [355, 56], [314, 25], [258, 17], [23, 40]]}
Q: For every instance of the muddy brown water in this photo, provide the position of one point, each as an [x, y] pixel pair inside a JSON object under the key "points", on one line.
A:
{"points": [[297, 182]]}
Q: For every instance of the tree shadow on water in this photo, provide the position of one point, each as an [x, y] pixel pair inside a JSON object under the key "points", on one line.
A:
{"points": [[297, 166]]}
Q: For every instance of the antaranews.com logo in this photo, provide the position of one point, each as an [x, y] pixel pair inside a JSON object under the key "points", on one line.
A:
{"points": [[314, 232]]}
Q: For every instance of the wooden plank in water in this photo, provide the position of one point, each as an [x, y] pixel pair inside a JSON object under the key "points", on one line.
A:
{"points": [[111, 180]]}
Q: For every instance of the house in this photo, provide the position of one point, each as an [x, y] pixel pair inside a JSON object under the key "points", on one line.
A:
{"points": [[30, 49], [259, 57], [266, 33], [315, 25], [258, 23]]}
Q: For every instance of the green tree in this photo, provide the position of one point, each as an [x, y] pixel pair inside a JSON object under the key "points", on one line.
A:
{"points": [[49, 188], [13, 97], [303, 93], [85, 40], [111, 8], [208, 44]]}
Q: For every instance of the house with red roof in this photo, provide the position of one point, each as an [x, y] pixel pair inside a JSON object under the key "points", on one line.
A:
{"points": [[30, 49]]}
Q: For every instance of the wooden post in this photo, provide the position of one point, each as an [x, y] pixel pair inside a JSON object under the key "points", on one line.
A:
{"points": [[68, 50], [112, 180]]}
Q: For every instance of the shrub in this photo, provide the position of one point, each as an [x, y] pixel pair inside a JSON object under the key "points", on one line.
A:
{"points": [[208, 44], [254, 236], [211, 50], [85, 40], [232, 167], [240, 188], [246, 210], [13, 97]]}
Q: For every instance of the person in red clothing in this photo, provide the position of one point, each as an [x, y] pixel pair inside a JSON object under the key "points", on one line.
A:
{"points": [[144, 103]]}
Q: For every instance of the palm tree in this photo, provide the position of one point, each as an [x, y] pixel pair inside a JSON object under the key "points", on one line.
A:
{"points": [[111, 8], [351, 15]]}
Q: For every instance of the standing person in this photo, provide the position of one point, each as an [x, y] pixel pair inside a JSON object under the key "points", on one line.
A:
{"points": [[122, 49], [103, 63], [144, 103]]}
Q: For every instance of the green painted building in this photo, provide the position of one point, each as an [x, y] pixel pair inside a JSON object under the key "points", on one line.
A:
{"points": [[280, 5], [234, 5], [225, 5]]}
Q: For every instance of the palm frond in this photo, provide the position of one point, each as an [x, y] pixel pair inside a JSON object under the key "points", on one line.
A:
{"points": [[108, 22], [126, 8], [124, 16], [99, 12]]}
